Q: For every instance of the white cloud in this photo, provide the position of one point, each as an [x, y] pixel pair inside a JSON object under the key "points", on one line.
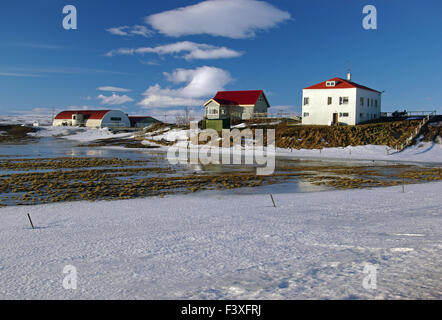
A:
{"points": [[113, 89], [228, 18], [79, 108], [200, 84], [16, 74], [190, 49], [114, 99], [130, 31]]}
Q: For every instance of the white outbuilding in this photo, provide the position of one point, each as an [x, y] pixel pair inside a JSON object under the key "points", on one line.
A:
{"points": [[339, 101], [92, 118]]}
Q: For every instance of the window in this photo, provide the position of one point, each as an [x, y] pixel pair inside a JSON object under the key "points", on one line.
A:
{"points": [[343, 114], [330, 83], [306, 101], [306, 114], [343, 100], [361, 101], [376, 103], [361, 115], [329, 100], [115, 119], [74, 117], [213, 111]]}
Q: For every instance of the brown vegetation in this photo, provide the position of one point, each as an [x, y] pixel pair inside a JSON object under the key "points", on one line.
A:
{"points": [[316, 137], [15, 133]]}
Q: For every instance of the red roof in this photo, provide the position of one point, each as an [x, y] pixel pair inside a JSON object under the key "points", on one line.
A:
{"points": [[238, 97], [341, 84], [88, 114]]}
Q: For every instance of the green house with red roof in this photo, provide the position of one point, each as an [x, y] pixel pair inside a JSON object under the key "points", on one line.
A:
{"points": [[236, 105]]}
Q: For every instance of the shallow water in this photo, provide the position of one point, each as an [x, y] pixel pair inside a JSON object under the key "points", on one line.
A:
{"points": [[51, 147]]}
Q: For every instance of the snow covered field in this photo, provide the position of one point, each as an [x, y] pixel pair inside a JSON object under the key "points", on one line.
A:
{"points": [[78, 134], [313, 245]]}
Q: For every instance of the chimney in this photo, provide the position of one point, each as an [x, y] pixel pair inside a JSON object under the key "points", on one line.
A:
{"points": [[349, 76]]}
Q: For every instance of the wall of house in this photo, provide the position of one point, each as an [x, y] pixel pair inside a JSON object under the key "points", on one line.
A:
{"points": [[261, 105], [320, 113], [61, 122], [245, 112], [367, 111], [212, 110], [93, 123], [107, 121]]}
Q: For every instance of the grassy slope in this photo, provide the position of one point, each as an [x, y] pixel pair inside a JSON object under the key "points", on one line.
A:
{"points": [[386, 133]]}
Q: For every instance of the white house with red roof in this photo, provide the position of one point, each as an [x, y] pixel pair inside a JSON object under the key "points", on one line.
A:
{"points": [[339, 101], [92, 118], [236, 105]]}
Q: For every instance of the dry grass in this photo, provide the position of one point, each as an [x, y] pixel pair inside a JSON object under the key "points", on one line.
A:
{"points": [[15, 133], [316, 137], [73, 179]]}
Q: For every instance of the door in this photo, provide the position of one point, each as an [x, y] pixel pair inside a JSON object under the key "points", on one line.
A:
{"points": [[335, 118]]}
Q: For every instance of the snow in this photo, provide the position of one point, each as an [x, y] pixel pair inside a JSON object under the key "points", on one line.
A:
{"points": [[79, 134], [28, 119], [169, 134], [428, 152], [312, 245], [239, 126]]}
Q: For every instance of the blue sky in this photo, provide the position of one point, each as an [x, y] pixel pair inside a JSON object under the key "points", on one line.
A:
{"points": [[147, 57]]}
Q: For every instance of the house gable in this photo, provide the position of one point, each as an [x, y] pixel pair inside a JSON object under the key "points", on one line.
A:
{"points": [[339, 83]]}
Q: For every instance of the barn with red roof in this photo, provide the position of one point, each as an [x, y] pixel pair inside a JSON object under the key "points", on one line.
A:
{"points": [[92, 118], [339, 101], [236, 105]]}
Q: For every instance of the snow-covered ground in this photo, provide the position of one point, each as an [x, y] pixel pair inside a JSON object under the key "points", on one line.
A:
{"points": [[78, 134], [26, 119], [313, 245], [429, 152]]}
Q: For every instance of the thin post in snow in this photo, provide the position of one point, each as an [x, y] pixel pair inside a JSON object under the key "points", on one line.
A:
{"points": [[271, 197], [32, 225], [403, 184]]}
